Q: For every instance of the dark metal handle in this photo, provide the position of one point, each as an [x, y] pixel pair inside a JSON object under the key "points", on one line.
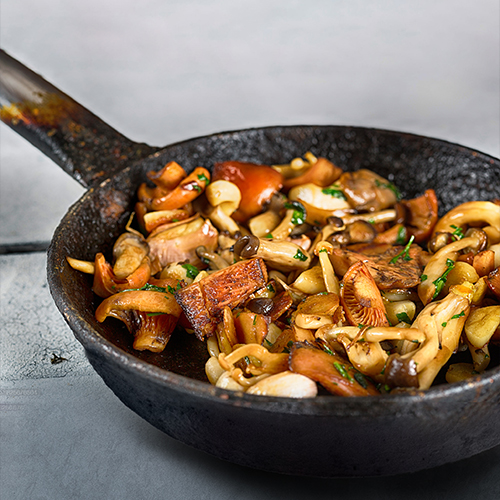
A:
{"points": [[77, 140]]}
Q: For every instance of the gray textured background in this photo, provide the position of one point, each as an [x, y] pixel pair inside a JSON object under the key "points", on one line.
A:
{"points": [[166, 71]]}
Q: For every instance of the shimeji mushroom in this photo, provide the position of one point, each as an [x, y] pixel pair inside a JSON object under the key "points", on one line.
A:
{"points": [[323, 250], [442, 322], [224, 198], [439, 266], [483, 212], [281, 255]]}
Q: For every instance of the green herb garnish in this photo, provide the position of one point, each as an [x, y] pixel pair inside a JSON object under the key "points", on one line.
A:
{"points": [[191, 271], [299, 212], [458, 232], [456, 316], [269, 236], [439, 283], [341, 369], [404, 253], [271, 288], [360, 378], [335, 192], [300, 255], [389, 185], [204, 178], [404, 317], [423, 277], [401, 238]]}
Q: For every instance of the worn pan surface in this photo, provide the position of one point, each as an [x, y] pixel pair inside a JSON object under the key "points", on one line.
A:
{"points": [[327, 436]]}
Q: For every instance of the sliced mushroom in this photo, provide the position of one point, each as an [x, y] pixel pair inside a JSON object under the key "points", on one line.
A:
{"points": [[318, 310], [421, 215], [321, 173]]}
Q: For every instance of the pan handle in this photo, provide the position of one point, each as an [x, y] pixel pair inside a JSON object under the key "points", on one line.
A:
{"points": [[77, 140]]}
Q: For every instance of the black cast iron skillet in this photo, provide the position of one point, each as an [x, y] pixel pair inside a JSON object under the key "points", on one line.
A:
{"points": [[327, 436]]}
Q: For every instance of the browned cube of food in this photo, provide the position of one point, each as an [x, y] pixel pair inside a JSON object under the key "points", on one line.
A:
{"points": [[203, 302]]}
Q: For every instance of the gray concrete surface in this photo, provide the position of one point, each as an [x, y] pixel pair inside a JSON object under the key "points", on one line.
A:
{"points": [[165, 71]]}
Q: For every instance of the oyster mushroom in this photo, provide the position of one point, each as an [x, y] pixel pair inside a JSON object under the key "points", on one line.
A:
{"points": [[178, 243], [361, 298], [366, 190]]}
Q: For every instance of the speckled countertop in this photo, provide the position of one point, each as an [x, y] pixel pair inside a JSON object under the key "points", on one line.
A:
{"points": [[164, 71]]}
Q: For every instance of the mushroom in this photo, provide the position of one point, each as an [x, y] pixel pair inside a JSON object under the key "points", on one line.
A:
{"points": [[310, 281], [226, 332], [215, 261], [150, 315], [317, 311], [482, 212], [157, 218], [224, 198], [185, 192], [319, 203], [361, 298], [367, 191], [333, 372], [281, 255], [295, 216], [285, 384], [321, 173], [439, 266], [129, 251], [106, 283], [421, 215], [178, 242], [323, 250], [168, 177], [257, 184]]}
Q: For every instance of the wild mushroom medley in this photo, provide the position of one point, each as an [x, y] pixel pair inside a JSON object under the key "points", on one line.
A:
{"points": [[301, 274]]}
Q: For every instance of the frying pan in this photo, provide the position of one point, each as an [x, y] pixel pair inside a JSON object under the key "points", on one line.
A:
{"points": [[327, 436]]}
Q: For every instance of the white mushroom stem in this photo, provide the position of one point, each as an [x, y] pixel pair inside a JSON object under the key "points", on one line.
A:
{"points": [[322, 250], [372, 217], [224, 198]]}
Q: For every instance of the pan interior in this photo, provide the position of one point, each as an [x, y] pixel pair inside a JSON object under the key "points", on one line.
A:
{"points": [[412, 163]]}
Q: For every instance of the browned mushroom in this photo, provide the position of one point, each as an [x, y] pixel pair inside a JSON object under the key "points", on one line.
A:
{"points": [[366, 190], [321, 173], [421, 215], [257, 184], [333, 372]]}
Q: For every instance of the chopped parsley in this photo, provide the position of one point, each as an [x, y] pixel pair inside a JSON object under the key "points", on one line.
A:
{"points": [[361, 380], [456, 316], [299, 212], [342, 370], [404, 253], [269, 236], [323, 250], [444, 324], [300, 255], [401, 237], [403, 317], [204, 178], [458, 232], [191, 271], [439, 283], [271, 288], [423, 277], [172, 290], [389, 185], [335, 192], [149, 288], [149, 315]]}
